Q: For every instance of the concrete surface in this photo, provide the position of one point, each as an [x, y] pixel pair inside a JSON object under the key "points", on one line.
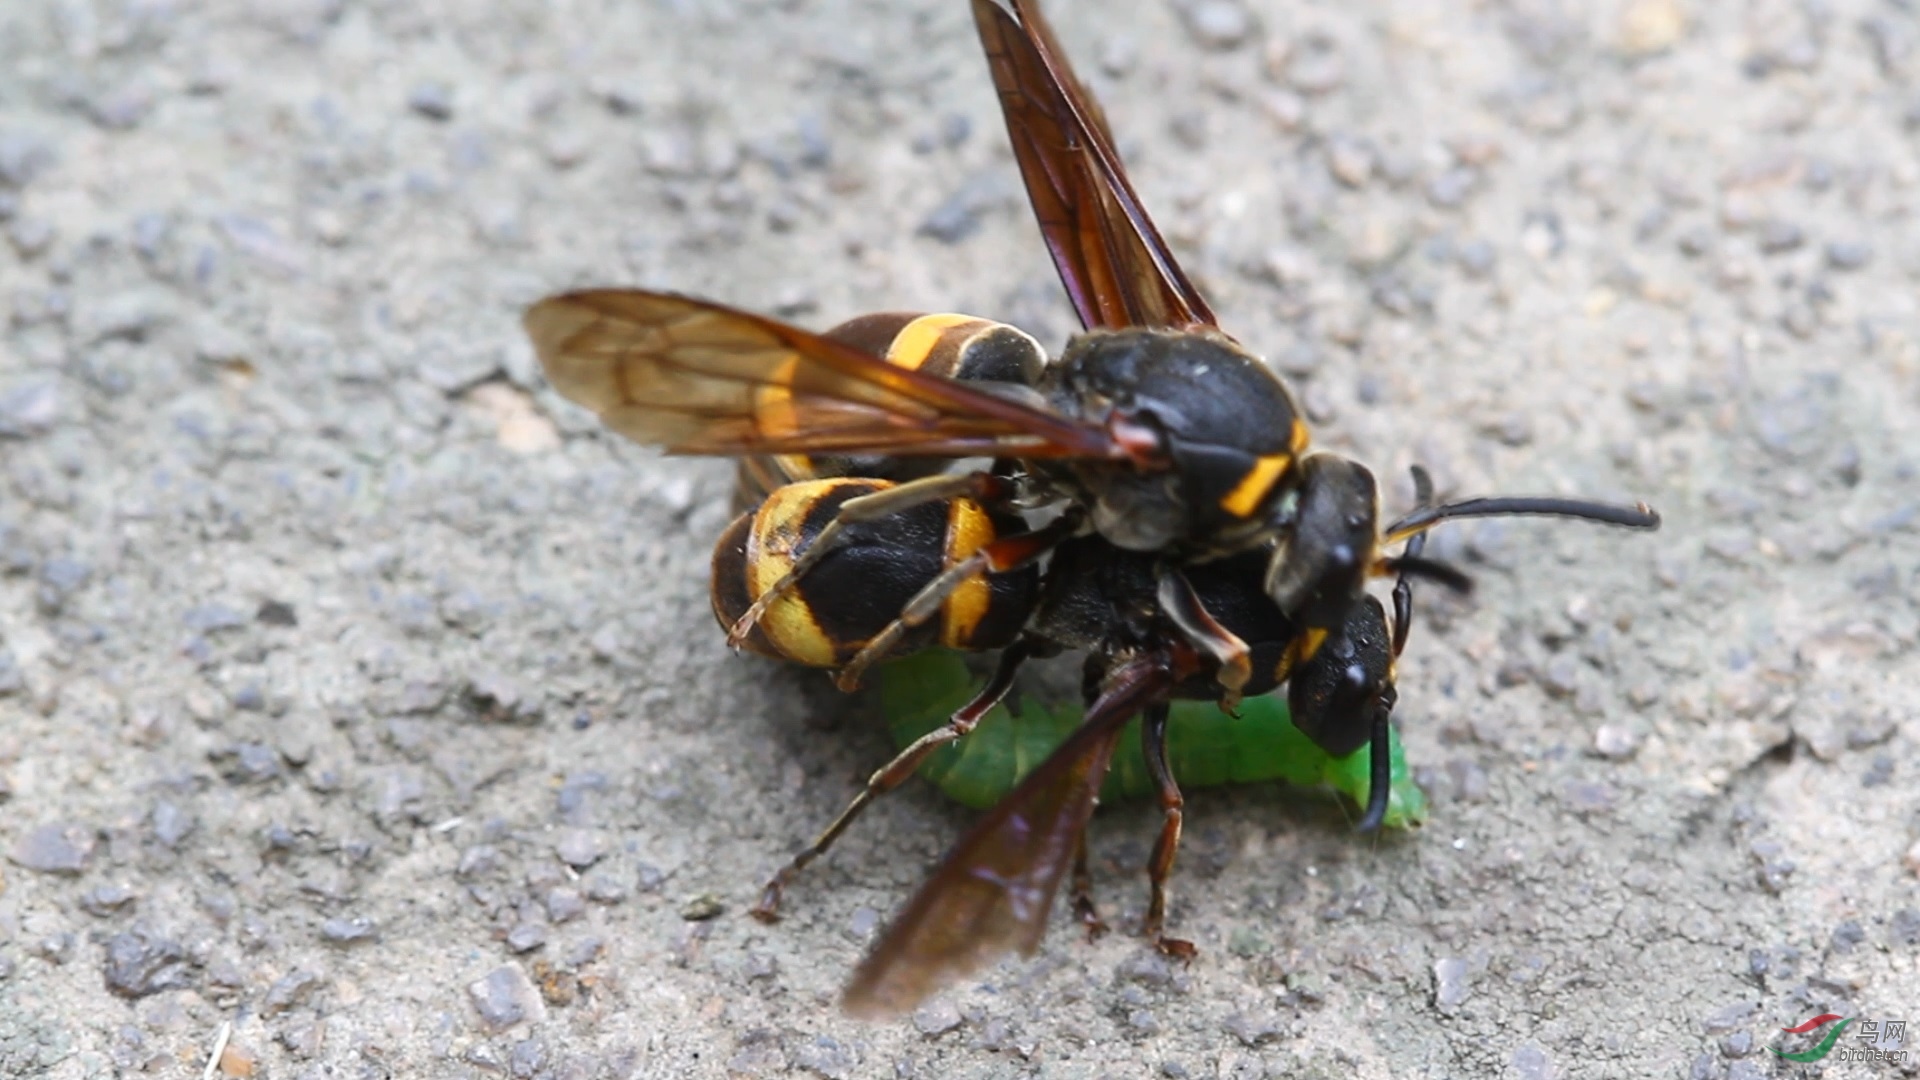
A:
{"points": [[358, 694]]}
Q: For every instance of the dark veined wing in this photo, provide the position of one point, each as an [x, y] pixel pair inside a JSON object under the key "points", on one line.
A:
{"points": [[1117, 269], [995, 888], [701, 378]]}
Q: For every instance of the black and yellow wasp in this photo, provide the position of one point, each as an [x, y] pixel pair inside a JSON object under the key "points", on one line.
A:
{"points": [[1196, 544]]}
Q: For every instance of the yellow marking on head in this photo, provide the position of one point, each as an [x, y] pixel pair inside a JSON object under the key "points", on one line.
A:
{"points": [[773, 403], [916, 341], [1297, 439], [968, 530], [1302, 650], [1246, 495]]}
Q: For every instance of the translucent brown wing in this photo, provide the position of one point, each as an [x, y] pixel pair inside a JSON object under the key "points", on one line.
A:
{"points": [[1117, 269], [995, 888], [700, 378]]}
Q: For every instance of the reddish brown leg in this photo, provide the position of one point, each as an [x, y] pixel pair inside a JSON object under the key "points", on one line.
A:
{"points": [[1153, 740], [1083, 893], [895, 772]]}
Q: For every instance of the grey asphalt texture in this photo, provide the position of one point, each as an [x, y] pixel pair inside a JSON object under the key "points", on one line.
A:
{"points": [[359, 695]]}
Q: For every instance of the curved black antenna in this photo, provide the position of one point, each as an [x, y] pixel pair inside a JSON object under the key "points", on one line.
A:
{"points": [[1637, 516], [1433, 570]]}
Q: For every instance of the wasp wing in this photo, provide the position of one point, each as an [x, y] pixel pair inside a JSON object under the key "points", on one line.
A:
{"points": [[995, 888], [701, 378], [1117, 269]]}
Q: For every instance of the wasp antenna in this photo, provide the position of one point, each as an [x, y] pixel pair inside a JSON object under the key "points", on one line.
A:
{"points": [[1415, 566], [1422, 487], [1637, 516]]}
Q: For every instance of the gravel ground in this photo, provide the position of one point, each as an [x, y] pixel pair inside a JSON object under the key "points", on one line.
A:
{"points": [[358, 694]]}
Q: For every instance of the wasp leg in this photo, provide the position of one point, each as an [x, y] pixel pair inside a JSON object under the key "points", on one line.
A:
{"points": [[1205, 633], [1083, 908], [1153, 740], [1379, 763], [1380, 768], [979, 486], [994, 557], [895, 772]]}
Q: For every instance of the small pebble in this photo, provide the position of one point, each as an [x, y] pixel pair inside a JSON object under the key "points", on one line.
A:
{"points": [[504, 997], [565, 905], [959, 215], [103, 900], [54, 848], [1779, 237], [431, 100], [1217, 24], [22, 158], [30, 236], [701, 908], [275, 613], [1147, 968], [1843, 255], [937, 1018], [1451, 188], [526, 937], [349, 931], [828, 1057], [580, 848], [1255, 1029], [1905, 928], [605, 889], [29, 409], [1451, 987], [288, 991], [1318, 69], [1589, 798], [171, 823], [141, 962], [1530, 1062], [1650, 26], [1351, 161], [584, 952], [1615, 742]]}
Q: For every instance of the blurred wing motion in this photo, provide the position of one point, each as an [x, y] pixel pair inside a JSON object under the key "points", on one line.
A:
{"points": [[701, 378], [995, 888], [1117, 269]]}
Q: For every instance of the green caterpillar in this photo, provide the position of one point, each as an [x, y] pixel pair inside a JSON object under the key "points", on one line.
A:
{"points": [[1205, 746]]}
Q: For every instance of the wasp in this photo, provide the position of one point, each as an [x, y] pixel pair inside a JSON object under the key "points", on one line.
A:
{"points": [[1176, 465]]}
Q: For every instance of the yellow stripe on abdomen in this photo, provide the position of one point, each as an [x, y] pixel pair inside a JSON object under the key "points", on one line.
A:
{"points": [[968, 530], [916, 341], [771, 552]]}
